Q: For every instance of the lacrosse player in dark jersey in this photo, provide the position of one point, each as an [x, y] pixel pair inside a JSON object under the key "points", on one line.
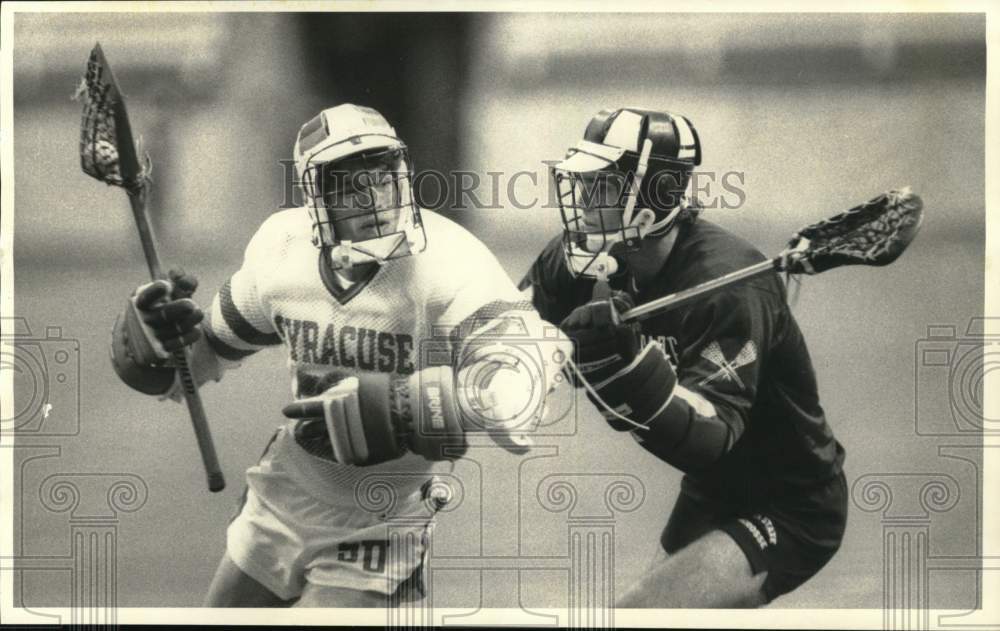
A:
{"points": [[722, 389]]}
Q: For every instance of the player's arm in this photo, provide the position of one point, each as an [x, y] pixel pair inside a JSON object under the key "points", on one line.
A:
{"points": [[237, 324], [487, 311], [505, 356], [689, 416], [537, 290]]}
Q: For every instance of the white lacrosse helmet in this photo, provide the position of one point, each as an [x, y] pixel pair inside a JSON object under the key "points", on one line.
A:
{"points": [[351, 164]]}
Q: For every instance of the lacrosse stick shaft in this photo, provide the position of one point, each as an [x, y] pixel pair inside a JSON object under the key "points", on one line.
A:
{"points": [[672, 301], [216, 481], [146, 236]]}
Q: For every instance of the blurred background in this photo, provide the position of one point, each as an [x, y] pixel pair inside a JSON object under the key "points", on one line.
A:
{"points": [[807, 114]]}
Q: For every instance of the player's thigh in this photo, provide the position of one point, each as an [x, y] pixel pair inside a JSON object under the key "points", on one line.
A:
{"points": [[314, 595], [318, 595], [711, 572], [232, 587]]}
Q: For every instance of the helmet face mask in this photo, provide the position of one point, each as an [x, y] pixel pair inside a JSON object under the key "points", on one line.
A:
{"points": [[363, 201], [357, 178], [623, 182], [592, 206]]}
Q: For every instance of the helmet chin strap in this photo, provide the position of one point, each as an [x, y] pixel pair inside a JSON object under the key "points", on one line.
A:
{"points": [[347, 253], [640, 174], [340, 255], [656, 226], [602, 264]]}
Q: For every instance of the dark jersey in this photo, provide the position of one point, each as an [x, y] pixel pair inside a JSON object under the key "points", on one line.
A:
{"points": [[740, 349]]}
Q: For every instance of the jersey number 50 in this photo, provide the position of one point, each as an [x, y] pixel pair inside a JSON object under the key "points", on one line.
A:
{"points": [[372, 553]]}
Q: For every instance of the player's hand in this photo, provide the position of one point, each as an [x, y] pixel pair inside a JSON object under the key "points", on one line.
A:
{"points": [[358, 420], [603, 343], [377, 417], [167, 310]]}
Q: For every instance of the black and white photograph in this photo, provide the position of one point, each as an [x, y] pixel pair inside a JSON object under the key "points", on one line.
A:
{"points": [[472, 314]]}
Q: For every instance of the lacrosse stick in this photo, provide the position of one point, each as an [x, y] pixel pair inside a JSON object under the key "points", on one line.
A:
{"points": [[873, 233], [108, 153]]}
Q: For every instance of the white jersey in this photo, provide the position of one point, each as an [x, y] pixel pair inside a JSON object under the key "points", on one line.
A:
{"points": [[391, 322]]}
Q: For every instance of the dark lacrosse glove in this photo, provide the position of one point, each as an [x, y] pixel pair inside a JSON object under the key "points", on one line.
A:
{"points": [[166, 309], [603, 344]]}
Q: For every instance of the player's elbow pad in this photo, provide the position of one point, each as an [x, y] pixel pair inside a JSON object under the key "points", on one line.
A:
{"points": [[152, 380], [660, 413]]}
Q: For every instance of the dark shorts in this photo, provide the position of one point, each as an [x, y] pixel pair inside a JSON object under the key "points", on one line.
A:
{"points": [[790, 537]]}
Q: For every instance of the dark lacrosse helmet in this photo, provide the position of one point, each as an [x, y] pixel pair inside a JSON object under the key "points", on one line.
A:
{"points": [[624, 181]]}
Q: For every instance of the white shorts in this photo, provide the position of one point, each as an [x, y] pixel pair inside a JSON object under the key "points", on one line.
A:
{"points": [[285, 536]]}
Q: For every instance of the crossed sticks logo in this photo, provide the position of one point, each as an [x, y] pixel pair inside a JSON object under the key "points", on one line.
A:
{"points": [[726, 368]]}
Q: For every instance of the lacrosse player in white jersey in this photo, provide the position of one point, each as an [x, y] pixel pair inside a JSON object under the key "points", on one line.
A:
{"points": [[395, 322]]}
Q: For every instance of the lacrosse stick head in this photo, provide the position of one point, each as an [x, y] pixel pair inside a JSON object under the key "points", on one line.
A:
{"points": [[873, 233], [107, 149]]}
